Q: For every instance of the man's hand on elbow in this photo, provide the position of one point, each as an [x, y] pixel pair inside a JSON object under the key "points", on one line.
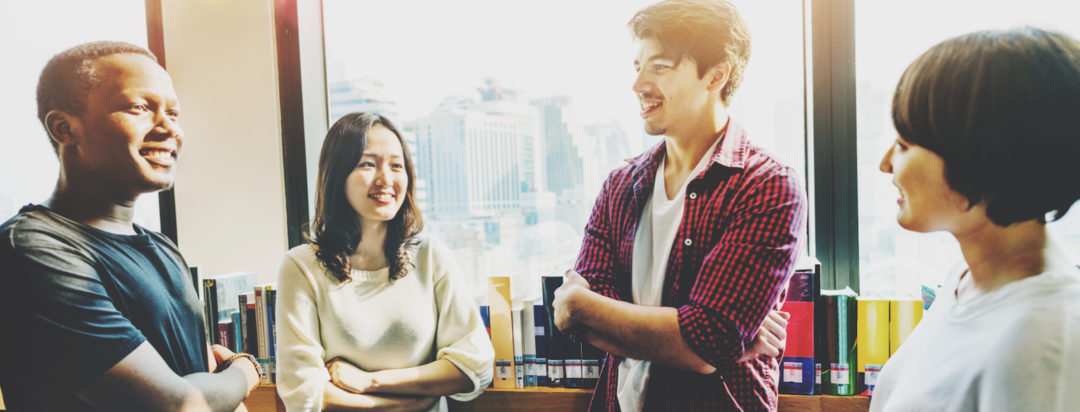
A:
{"points": [[770, 339], [566, 301]]}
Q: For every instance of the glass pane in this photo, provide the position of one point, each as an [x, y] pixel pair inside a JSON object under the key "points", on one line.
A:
{"points": [[36, 31], [894, 260], [517, 112]]}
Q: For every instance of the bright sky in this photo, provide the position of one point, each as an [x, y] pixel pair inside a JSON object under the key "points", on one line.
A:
{"points": [[553, 47]]}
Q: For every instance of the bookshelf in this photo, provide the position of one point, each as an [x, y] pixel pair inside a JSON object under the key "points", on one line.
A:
{"points": [[265, 399]]}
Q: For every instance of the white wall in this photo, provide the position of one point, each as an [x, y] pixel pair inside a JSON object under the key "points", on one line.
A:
{"points": [[229, 190]]}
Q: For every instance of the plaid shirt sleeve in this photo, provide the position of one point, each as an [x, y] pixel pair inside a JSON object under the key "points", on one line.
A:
{"points": [[596, 261], [743, 275]]}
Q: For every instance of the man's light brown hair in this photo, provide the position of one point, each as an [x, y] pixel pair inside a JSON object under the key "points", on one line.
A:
{"points": [[708, 32]]}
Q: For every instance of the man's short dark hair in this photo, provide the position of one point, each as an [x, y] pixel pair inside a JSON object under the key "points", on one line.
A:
{"points": [[1002, 108], [709, 32], [68, 77]]}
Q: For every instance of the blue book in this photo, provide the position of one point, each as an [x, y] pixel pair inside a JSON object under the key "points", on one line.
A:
{"points": [[540, 318], [238, 333]]}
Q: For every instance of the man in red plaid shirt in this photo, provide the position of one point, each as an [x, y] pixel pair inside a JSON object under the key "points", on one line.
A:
{"points": [[691, 244]]}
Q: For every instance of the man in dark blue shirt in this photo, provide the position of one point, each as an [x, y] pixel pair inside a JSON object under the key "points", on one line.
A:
{"points": [[96, 312]]}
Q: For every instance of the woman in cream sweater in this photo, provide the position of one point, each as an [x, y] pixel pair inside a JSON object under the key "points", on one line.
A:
{"points": [[371, 315]]}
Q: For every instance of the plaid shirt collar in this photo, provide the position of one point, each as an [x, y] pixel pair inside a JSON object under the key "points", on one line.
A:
{"points": [[731, 152]]}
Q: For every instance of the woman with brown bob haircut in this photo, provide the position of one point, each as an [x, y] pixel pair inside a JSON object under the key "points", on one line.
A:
{"points": [[372, 314], [989, 138]]}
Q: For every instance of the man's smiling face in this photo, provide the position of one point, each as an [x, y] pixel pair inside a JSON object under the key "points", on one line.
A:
{"points": [[130, 136], [669, 90]]}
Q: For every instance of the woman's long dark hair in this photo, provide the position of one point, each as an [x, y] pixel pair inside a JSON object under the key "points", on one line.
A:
{"points": [[335, 230]]}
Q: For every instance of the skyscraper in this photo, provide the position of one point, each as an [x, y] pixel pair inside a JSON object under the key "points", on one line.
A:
{"points": [[469, 156], [613, 145]]}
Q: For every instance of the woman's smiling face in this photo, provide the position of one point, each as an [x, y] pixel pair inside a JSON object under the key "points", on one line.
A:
{"points": [[927, 203], [377, 188]]}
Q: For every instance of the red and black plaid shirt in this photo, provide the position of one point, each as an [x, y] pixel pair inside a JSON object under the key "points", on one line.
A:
{"points": [[735, 250]]}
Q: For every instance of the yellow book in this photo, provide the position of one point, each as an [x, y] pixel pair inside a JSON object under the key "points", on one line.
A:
{"points": [[502, 331], [872, 342], [904, 315]]}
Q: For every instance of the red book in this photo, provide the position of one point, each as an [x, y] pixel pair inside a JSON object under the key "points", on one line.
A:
{"points": [[223, 329]]}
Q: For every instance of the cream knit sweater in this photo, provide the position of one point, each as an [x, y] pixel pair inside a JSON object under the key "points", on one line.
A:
{"points": [[375, 325]]}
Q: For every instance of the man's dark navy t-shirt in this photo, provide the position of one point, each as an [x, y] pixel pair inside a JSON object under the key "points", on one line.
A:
{"points": [[75, 300]]}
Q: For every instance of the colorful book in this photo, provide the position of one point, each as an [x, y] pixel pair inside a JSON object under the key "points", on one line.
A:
{"points": [[528, 341], [540, 320], [228, 287], [556, 340], [798, 366], [223, 329], [904, 315], [251, 333], [839, 334], [872, 342], [502, 331], [519, 351], [236, 337], [262, 324]]}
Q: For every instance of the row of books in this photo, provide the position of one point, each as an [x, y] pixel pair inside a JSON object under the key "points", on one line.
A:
{"points": [[841, 331], [239, 315], [529, 350]]}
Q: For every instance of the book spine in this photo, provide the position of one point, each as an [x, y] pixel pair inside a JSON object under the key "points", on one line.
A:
{"points": [[519, 352], [502, 331], [797, 366], [237, 333], [904, 315], [556, 340], [243, 323], [271, 314], [540, 322], [591, 358], [260, 322], [528, 342], [872, 343], [210, 303], [574, 370], [250, 328], [223, 333], [841, 312]]}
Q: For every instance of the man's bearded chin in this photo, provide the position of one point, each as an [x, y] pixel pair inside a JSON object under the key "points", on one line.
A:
{"points": [[654, 131]]}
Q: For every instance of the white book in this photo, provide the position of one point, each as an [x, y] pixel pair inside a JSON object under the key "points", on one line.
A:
{"points": [[519, 360], [528, 333]]}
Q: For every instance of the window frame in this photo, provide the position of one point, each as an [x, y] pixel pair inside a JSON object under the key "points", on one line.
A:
{"points": [[155, 34]]}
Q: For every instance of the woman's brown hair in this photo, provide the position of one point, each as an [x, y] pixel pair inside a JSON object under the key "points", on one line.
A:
{"points": [[1000, 107], [335, 229]]}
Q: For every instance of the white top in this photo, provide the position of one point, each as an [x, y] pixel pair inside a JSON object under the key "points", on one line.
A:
{"points": [[373, 324], [1014, 349], [652, 245]]}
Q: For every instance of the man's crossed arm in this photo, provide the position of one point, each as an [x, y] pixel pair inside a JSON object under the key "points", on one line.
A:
{"points": [[647, 332]]}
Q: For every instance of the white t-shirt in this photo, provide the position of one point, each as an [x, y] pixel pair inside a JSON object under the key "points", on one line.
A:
{"points": [[652, 245], [1014, 349]]}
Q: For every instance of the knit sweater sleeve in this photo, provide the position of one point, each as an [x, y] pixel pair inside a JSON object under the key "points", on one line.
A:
{"points": [[460, 337], [302, 374]]}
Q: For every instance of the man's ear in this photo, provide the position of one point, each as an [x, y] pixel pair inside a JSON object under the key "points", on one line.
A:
{"points": [[719, 76], [63, 128]]}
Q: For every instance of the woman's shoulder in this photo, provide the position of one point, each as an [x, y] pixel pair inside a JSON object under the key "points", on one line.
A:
{"points": [[303, 257]]}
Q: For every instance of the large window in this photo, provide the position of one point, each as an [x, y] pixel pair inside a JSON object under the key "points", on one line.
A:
{"points": [[889, 36], [517, 111], [33, 32]]}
